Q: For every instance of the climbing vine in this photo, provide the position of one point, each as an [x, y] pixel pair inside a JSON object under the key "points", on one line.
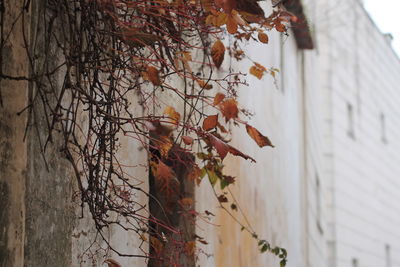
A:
{"points": [[145, 70]]}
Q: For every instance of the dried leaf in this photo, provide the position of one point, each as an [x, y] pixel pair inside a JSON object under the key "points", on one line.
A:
{"points": [[112, 263], [195, 174], [172, 114], [236, 152], [222, 199], [187, 140], [210, 122], [205, 85], [163, 144], [229, 109], [236, 16], [218, 53], [280, 27], [226, 5], [206, 4], [231, 25], [218, 98], [190, 248], [163, 172], [263, 38], [153, 75], [260, 139], [135, 38], [221, 19], [219, 145], [156, 244], [258, 70], [187, 201]]}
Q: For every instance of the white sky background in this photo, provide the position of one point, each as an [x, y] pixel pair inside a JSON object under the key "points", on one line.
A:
{"points": [[386, 15]]}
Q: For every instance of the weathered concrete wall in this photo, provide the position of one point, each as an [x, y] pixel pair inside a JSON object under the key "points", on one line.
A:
{"points": [[13, 157]]}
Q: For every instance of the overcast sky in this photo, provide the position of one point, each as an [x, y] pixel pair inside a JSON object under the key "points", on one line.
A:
{"points": [[386, 15]]}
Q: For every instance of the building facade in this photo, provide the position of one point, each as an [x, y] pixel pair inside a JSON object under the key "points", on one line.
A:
{"points": [[327, 192]]}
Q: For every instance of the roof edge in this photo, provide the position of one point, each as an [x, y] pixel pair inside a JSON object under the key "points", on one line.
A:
{"points": [[300, 28]]}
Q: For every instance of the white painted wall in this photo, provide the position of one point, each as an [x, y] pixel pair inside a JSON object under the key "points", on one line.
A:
{"points": [[360, 70]]}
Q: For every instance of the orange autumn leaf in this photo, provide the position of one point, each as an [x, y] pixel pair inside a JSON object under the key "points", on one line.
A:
{"points": [[231, 25], [263, 38], [187, 201], [218, 53], [163, 172], [163, 144], [190, 248], [187, 140], [210, 122], [220, 19], [258, 70], [172, 114], [229, 109], [204, 85], [218, 98], [153, 75], [280, 27], [195, 174], [156, 244], [260, 139]]}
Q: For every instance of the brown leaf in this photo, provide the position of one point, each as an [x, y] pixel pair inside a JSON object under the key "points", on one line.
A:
{"points": [[229, 109], [194, 174], [136, 38], [156, 244], [219, 145], [236, 152], [222, 199], [205, 85], [153, 75], [218, 98], [190, 248], [218, 53], [187, 201], [187, 140], [173, 114], [231, 25], [162, 172], [258, 70], [263, 37], [221, 19], [226, 5], [210, 122], [163, 144], [112, 263], [260, 139]]}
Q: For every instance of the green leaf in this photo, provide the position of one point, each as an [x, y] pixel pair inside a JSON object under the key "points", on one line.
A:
{"points": [[264, 248], [212, 176]]}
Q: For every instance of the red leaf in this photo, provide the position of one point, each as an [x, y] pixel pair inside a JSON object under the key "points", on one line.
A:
{"points": [[219, 145], [210, 122], [187, 140], [260, 139]]}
